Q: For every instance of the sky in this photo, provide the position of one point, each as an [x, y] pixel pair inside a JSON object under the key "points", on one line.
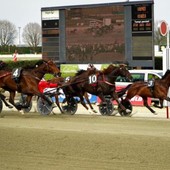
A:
{"points": [[22, 12]]}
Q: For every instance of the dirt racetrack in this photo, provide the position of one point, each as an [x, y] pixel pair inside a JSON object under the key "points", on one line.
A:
{"points": [[80, 142]]}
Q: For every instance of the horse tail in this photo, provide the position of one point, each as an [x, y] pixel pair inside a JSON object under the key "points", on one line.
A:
{"points": [[123, 91]]}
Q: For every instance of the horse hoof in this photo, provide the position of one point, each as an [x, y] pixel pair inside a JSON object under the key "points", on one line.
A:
{"points": [[54, 113], [94, 111], [128, 111], [155, 113], [90, 112], [22, 112]]}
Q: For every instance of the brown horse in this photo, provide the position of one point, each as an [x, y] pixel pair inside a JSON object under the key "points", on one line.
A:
{"points": [[27, 82], [3, 66], [159, 90], [69, 92], [100, 83]]}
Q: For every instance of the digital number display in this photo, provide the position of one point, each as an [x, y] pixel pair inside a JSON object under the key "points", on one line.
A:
{"points": [[142, 11], [141, 8], [141, 17], [141, 25]]}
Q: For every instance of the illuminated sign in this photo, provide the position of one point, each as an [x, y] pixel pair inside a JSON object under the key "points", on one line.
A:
{"points": [[50, 15], [141, 18]]}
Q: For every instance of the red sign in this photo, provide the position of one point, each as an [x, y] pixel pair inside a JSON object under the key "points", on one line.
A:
{"points": [[163, 28], [138, 101]]}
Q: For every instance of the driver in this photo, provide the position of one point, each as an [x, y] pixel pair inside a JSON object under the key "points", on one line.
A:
{"points": [[151, 82], [91, 67], [45, 86]]}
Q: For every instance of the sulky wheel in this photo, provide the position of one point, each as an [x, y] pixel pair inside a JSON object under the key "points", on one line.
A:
{"points": [[128, 107], [70, 106], [43, 107], [106, 109], [1, 105]]}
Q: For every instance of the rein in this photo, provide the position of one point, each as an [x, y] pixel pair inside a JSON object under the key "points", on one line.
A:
{"points": [[83, 80], [34, 75], [104, 80], [6, 74]]}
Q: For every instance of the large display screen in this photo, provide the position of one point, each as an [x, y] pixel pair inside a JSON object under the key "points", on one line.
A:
{"points": [[95, 34]]}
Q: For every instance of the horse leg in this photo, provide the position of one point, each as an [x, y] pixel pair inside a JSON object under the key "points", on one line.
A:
{"points": [[115, 96], [88, 101], [161, 104], [5, 102], [102, 98], [27, 102], [11, 100], [168, 99], [57, 103], [82, 102], [145, 102]]}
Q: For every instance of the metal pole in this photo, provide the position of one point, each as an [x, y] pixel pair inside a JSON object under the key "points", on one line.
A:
{"points": [[168, 66], [167, 37], [19, 35]]}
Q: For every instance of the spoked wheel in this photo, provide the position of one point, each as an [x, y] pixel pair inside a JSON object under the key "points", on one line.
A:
{"points": [[106, 109], [128, 107], [43, 107], [1, 105], [22, 100], [70, 106]]}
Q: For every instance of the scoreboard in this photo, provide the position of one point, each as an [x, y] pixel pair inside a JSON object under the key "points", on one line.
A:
{"points": [[50, 34], [141, 18], [142, 32], [100, 33]]}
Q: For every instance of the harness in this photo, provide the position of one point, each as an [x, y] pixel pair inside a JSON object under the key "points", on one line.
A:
{"points": [[104, 80], [93, 79]]}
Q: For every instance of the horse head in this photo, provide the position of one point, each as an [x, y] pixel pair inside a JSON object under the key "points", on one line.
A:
{"points": [[50, 67], [167, 73], [122, 71], [125, 72]]}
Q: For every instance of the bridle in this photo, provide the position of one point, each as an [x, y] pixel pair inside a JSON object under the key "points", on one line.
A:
{"points": [[47, 63]]}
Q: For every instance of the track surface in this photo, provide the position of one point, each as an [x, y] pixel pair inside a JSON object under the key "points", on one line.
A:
{"points": [[80, 142]]}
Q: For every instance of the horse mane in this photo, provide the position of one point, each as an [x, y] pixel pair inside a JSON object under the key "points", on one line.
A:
{"points": [[38, 63], [166, 73], [79, 72], [109, 69]]}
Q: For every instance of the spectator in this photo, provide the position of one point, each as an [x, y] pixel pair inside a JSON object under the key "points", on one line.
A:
{"points": [[15, 55]]}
